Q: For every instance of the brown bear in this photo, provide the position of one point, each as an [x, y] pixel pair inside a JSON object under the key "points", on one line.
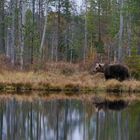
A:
{"points": [[111, 105], [113, 71]]}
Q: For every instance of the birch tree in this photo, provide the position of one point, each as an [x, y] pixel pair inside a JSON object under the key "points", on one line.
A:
{"points": [[58, 29], [129, 32], [44, 30], [2, 26], [120, 43], [32, 46], [13, 3], [86, 33], [22, 8]]}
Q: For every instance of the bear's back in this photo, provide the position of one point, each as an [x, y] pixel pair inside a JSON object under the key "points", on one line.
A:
{"points": [[116, 71]]}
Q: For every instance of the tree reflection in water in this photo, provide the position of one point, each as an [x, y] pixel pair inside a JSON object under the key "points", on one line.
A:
{"points": [[66, 120]]}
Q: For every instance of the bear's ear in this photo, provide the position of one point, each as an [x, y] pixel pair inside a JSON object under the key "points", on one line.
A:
{"points": [[97, 65], [100, 65]]}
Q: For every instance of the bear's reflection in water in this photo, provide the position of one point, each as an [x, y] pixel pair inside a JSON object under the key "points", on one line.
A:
{"points": [[111, 105]]}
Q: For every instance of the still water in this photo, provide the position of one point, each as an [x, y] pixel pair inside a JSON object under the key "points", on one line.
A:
{"points": [[66, 120]]}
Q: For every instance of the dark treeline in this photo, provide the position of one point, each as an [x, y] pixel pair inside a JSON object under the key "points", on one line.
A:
{"points": [[34, 31]]}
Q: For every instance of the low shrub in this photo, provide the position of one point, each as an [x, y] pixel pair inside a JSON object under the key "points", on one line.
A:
{"points": [[133, 63], [113, 86], [67, 71]]}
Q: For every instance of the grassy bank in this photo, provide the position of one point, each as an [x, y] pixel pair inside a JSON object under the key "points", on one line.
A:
{"points": [[58, 81]]}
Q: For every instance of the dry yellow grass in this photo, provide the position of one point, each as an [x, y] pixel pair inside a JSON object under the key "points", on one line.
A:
{"points": [[57, 81], [113, 85], [132, 86]]}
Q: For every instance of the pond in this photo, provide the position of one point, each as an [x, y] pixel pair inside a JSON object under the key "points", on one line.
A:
{"points": [[66, 119]]}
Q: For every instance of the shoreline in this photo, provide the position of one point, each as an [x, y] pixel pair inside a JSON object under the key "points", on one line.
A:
{"points": [[89, 98], [57, 82]]}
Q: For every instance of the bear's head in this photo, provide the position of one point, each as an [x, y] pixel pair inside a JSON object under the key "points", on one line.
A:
{"points": [[99, 67]]}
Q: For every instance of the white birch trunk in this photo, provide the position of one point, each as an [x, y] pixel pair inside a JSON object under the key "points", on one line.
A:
{"points": [[52, 47], [129, 32], [13, 33], [22, 7], [44, 30], [8, 41], [72, 38], [8, 35], [120, 44], [85, 41]]}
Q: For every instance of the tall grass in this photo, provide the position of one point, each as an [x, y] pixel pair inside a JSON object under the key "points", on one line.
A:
{"points": [[62, 77]]}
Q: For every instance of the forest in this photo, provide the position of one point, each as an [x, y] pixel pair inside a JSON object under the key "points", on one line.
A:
{"points": [[69, 69], [33, 31], [69, 35]]}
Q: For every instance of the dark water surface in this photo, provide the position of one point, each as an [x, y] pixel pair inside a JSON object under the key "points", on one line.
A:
{"points": [[66, 120]]}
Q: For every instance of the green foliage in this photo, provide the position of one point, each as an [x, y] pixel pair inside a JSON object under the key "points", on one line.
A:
{"points": [[99, 46], [74, 56], [28, 28], [66, 4], [91, 18], [114, 25], [66, 28], [133, 63], [68, 71], [31, 32]]}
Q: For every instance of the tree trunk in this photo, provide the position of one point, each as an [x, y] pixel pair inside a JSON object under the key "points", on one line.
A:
{"points": [[13, 33], [72, 38], [2, 27], [40, 7], [85, 41], [99, 16], [21, 28], [8, 42], [52, 47], [44, 31], [32, 46], [120, 44], [58, 29], [129, 32]]}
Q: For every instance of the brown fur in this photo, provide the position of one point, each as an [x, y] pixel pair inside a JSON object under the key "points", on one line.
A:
{"points": [[113, 71]]}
